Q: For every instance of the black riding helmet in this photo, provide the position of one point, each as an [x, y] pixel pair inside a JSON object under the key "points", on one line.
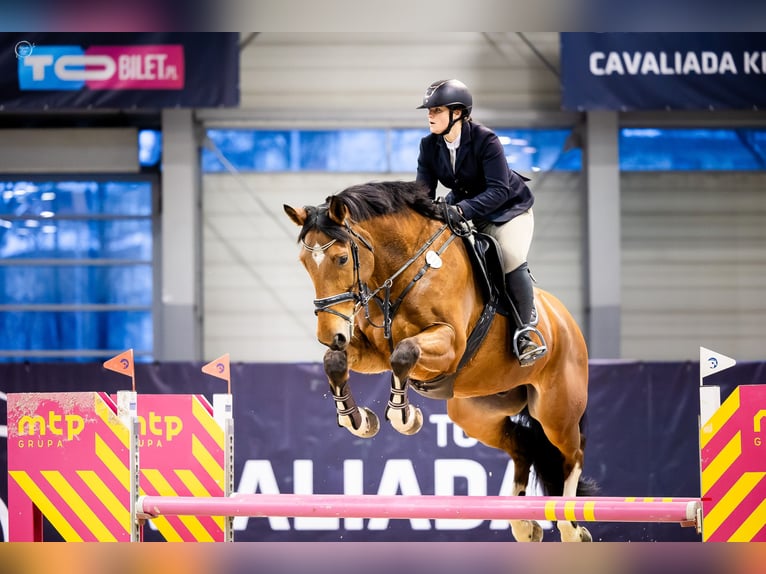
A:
{"points": [[452, 94]]}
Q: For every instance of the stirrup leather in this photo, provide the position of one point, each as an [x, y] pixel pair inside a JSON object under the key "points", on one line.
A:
{"points": [[533, 354]]}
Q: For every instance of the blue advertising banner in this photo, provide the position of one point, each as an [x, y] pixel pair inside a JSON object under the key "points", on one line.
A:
{"points": [[659, 71], [118, 70]]}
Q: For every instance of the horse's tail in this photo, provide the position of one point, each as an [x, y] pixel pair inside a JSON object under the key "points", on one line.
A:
{"points": [[546, 460]]}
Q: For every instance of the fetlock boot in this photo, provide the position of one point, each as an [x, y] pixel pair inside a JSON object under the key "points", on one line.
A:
{"points": [[519, 285]]}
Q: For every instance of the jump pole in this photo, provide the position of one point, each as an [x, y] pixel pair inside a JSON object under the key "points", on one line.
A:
{"points": [[684, 511]]}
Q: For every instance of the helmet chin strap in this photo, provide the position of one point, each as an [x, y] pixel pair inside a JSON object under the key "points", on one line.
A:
{"points": [[452, 121]]}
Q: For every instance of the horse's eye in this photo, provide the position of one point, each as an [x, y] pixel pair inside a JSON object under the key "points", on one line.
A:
{"points": [[343, 259]]}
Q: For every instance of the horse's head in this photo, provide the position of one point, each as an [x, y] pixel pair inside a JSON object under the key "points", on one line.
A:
{"points": [[339, 262]]}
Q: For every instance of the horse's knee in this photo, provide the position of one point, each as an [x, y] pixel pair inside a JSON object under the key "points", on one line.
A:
{"points": [[404, 357], [336, 365]]}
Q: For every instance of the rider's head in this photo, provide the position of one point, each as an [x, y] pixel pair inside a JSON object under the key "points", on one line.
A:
{"points": [[447, 96]]}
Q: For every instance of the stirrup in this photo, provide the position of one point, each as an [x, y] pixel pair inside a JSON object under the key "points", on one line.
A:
{"points": [[535, 351]]}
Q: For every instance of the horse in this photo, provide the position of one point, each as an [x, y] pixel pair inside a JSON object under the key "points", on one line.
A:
{"points": [[395, 291]]}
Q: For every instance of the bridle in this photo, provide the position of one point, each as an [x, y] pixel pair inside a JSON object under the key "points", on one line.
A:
{"points": [[361, 294], [325, 304]]}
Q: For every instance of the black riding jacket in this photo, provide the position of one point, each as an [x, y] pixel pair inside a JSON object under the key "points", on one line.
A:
{"points": [[482, 184]]}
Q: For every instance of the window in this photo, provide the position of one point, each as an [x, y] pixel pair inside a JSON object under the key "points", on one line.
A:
{"points": [[149, 148], [369, 150], [531, 151], [76, 269], [527, 150], [692, 149]]}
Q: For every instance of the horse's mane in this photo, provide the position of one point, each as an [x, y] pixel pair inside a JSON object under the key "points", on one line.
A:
{"points": [[373, 199]]}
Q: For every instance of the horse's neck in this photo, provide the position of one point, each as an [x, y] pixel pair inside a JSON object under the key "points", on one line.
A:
{"points": [[397, 240]]}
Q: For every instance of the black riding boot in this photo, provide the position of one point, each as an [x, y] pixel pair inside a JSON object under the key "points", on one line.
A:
{"points": [[519, 285]]}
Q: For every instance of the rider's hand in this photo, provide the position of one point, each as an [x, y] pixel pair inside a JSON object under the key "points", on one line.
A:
{"points": [[455, 216]]}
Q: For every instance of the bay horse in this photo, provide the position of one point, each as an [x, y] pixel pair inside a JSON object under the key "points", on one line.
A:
{"points": [[396, 292]]}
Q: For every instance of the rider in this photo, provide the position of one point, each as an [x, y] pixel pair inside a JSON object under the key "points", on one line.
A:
{"points": [[468, 158]]}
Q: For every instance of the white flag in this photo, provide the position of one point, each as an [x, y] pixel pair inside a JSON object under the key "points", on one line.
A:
{"points": [[712, 362]]}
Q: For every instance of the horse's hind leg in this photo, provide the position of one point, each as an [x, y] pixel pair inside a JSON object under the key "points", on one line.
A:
{"points": [[562, 429], [571, 531], [523, 530], [487, 420]]}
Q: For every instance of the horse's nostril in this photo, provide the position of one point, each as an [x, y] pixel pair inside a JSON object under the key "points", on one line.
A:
{"points": [[339, 342]]}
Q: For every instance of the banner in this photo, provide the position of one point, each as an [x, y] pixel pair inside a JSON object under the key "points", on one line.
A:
{"points": [[661, 71], [641, 426], [118, 70]]}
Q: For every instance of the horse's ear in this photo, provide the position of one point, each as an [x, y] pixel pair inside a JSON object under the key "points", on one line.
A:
{"points": [[297, 215], [337, 210]]}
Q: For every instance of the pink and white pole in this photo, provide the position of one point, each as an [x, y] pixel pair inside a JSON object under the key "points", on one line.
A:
{"points": [[684, 511]]}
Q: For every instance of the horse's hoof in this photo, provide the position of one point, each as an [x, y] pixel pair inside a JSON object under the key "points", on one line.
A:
{"points": [[571, 533], [373, 423], [369, 426], [537, 532], [414, 419], [527, 531]]}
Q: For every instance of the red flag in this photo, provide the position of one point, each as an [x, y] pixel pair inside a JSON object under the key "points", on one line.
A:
{"points": [[218, 368], [122, 363]]}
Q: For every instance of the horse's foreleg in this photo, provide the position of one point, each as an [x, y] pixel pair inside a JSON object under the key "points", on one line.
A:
{"points": [[403, 416], [429, 354], [361, 422]]}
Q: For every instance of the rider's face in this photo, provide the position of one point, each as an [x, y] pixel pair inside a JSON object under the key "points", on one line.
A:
{"points": [[438, 119]]}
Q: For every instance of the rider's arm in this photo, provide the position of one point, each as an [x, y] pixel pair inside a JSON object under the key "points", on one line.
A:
{"points": [[426, 173], [497, 189]]}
